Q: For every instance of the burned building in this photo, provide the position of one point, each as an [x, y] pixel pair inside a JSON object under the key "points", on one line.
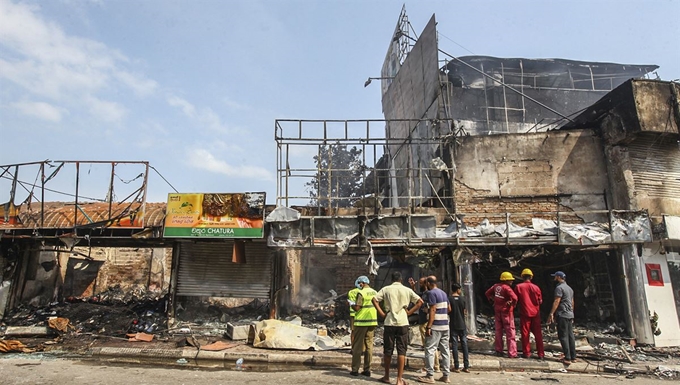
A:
{"points": [[486, 164], [481, 165], [104, 250]]}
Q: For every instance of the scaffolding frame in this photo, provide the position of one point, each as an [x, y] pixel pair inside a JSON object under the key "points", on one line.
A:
{"points": [[429, 195], [298, 136], [133, 204]]}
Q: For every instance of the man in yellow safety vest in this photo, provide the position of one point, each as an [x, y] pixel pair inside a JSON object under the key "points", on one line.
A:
{"points": [[365, 322], [352, 300]]}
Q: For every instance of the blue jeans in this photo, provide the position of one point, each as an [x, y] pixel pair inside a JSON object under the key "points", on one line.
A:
{"points": [[462, 335]]}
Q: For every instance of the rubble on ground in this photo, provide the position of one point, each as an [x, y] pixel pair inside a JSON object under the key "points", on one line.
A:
{"points": [[211, 318], [139, 315], [114, 312]]}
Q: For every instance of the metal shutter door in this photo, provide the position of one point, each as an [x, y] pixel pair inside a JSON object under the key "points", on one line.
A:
{"points": [[206, 270], [655, 163]]}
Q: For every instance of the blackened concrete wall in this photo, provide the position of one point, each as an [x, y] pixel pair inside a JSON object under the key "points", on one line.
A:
{"points": [[537, 172]]}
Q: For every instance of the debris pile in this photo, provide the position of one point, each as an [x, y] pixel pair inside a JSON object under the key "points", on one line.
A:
{"points": [[212, 318], [331, 314], [114, 312]]}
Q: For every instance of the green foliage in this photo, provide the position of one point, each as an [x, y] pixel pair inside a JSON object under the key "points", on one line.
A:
{"points": [[339, 178]]}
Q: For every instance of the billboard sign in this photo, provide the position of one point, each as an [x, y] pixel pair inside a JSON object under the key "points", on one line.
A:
{"points": [[198, 215]]}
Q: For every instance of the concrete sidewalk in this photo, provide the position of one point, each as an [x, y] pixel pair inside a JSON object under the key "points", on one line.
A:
{"points": [[414, 359]]}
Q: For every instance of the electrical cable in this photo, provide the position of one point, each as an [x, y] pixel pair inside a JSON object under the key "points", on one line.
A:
{"points": [[454, 42], [54, 191], [162, 177], [129, 181], [497, 81], [556, 121]]}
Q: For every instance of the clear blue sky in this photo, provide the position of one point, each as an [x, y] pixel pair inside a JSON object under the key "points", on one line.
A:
{"points": [[194, 86]]}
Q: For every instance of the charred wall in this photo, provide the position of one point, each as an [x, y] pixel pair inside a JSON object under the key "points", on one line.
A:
{"points": [[524, 173], [135, 267], [639, 122], [52, 274], [484, 106], [591, 274], [412, 94], [326, 272]]}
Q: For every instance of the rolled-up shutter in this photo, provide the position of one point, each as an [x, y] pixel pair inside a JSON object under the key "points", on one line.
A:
{"points": [[205, 270], [655, 164]]}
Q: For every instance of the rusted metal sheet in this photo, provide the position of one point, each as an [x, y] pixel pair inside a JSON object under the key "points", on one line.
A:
{"points": [[62, 215], [32, 186], [206, 270]]}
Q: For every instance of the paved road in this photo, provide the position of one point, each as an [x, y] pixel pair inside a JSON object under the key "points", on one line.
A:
{"points": [[61, 371]]}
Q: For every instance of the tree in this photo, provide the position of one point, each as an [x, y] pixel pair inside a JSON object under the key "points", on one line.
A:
{"points": [[339, 176]]}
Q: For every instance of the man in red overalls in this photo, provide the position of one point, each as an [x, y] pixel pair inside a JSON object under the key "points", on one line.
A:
{"points": [[504, 301], [530, 299]]}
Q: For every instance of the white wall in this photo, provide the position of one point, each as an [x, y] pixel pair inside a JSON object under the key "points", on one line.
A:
{"points": [[660, 299]]}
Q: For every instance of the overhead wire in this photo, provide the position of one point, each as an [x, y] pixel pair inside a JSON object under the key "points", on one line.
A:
{"points": [[454, 42], [33, 185], [52, 190], [162, 177], [554, 122], [496, 80], [131, 180]]}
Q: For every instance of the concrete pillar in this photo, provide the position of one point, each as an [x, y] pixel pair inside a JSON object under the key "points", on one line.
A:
{"points": [[635, 300], [468, 291]]}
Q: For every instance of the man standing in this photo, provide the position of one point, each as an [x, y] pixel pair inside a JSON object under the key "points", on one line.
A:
{"points": [[365, 322], [397, 298], [458, 328], [437, 332], [563, 313], [504, 301], [351, 300], [530, 300], [423, 313]]}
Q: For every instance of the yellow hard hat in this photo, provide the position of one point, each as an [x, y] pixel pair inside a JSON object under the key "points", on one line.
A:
{"points": [[507, 276], [527, 272]]}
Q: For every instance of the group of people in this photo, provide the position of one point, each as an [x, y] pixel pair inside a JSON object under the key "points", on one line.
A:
{"points": [[444, 321], [529, 298], [399, 302]]}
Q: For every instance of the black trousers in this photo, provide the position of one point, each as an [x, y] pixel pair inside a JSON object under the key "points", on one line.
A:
{"points": [[565, 333]]}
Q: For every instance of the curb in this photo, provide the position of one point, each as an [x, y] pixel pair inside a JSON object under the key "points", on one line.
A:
{"points": [[319, 360], [192, 354], [325, 360]]}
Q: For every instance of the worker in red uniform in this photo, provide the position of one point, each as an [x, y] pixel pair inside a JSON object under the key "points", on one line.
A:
{"points": [[504, 300], [530, 300]]}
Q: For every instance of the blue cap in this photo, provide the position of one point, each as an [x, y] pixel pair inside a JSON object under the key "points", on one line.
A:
{"points": [[362, 279], [559, 274]]}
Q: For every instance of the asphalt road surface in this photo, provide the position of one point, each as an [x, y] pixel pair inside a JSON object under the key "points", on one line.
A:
{"points": [[61, 371]]}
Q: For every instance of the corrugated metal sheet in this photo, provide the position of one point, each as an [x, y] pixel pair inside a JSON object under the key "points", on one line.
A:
{"points": [[62, 214], [655, 163], [206, 270]]}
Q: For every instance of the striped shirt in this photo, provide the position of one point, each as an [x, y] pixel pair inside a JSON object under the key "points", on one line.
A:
{"points": [[440, 300]]}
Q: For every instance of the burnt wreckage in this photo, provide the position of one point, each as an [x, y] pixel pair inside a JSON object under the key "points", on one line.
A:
{"points": [[487, 164], [481, 165]]}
